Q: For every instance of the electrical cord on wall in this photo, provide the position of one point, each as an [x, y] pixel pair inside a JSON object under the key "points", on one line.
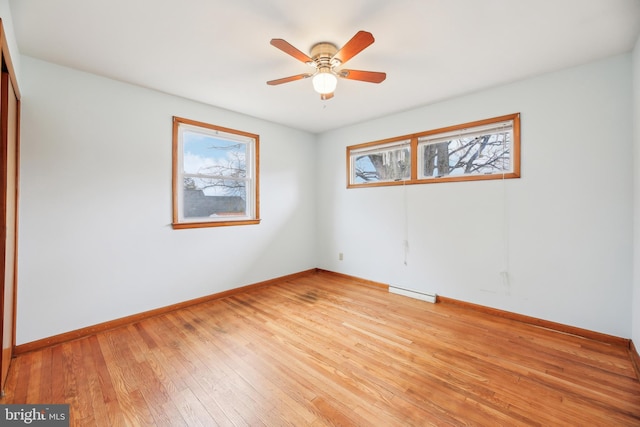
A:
{"points": [[405, 243], [505, 231]]}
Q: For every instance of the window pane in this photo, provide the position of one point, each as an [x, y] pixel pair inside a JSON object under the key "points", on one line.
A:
{"points": [[487, 153], [208, 155], [392, 164], [207, 198]]}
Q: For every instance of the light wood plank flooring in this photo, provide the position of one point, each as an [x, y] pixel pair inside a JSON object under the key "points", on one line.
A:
{"points": [[321, 350]]}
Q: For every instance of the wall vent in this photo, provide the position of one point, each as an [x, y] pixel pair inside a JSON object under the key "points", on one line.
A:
{"points": [[413, 294]]}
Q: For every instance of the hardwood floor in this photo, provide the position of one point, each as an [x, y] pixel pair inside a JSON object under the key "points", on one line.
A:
{"points": [[322, 350]]}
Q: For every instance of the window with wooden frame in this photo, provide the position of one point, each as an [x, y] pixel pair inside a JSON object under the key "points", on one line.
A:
{"points": [[215, 175], [485, 149]]}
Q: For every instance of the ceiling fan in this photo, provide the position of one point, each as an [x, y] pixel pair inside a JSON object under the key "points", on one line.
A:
{"points": [[326, 59]]}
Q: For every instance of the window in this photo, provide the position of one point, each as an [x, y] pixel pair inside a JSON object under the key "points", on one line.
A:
{"points": [[382, 162], [486, 149], [215, 175]]}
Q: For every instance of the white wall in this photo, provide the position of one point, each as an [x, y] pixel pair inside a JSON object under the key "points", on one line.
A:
{"points": [[562, 231], [95, 205], [636, 198]]}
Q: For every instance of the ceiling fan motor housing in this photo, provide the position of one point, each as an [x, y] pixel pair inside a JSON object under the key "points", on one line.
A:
{"points": [[322, 52]]}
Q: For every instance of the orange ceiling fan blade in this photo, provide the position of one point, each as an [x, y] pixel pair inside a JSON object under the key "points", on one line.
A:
{"points": [[287, 48], [357, 44], [365, 76], [289, 79]]}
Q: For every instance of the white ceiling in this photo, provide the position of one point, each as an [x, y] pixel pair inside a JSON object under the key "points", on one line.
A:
{"points": [[218, 52]]}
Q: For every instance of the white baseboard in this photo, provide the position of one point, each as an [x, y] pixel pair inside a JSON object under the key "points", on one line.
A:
{"points": [[413, 294]]}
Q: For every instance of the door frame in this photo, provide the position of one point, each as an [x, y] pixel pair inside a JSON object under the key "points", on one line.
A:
{"points": [[8, 79]]}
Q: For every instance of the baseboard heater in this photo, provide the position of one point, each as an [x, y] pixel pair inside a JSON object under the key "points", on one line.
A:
{"points": [[413, 294]]}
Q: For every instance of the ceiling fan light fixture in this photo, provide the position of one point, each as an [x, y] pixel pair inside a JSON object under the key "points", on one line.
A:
{"points": [[325, 81]]}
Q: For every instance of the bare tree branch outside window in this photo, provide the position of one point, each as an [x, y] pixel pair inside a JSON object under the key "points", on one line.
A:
{"points": [[483, 154], [389, 165]]}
